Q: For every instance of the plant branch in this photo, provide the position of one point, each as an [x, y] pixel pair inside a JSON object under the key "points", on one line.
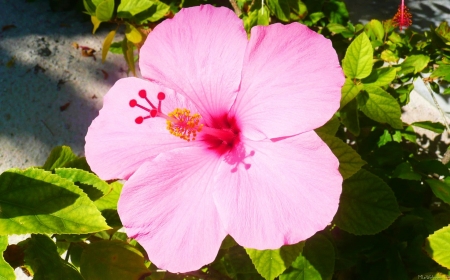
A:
{"points": [[236, 8]]}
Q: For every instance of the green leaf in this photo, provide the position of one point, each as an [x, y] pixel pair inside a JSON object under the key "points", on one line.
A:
{"points": [[337, 28], [380, 106], [350, 161], [405, 171], [84, 177], [154, 13], [358, 59], [442, 71], [433, 126], [89, 6], [128, 53], [36, 201], [107, 43], [105, 10], [42, 255], [443, 31], [129, 8], [349, 117], [280, 8], [95, 23], [315, 262], [349, 91], [112, 260], [440, 189], [58, 157], [133, 35], [257, 17], [109, 201], [389, 56], [375, 30], [438, 246], [414, 64], [380, 77], [116, 48], [271, 263], [6, 271], [367, 205], [330, 127]]}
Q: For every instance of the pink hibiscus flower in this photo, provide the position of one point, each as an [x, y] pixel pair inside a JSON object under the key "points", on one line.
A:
{"points": [[256, 169]]}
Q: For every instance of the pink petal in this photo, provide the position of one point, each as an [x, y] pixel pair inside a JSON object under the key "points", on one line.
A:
{"points": [[167, 205], [291, 82], [288, 191], [198, 53], [115, 145]]}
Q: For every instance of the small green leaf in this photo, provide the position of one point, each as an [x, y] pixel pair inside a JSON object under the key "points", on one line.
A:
{"points": [[442, 71], [109, 201], [128, 53], [405, 171], [385, 138], [395, 38], [116, 48], [6, 271], [375, 30], [156, 12], [133, 35], [349, 91], [107, 43], [440, 189], [271, 263], [129, 8], [96, 23], [389, 56], [89, 6], [84, 177], [367, 205], [315, 262], [350, 118], [105, 10], [42, 255], [280, 8], [414, 64], [358, 59], [433, 126], [112, 260], [443, 31], [350, 161], [380, 106], [36, 201], [380, 77], [337, 28], [438, 246], [58, 157]]}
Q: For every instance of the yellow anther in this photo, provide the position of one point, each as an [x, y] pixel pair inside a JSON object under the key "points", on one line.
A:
{"points": [[186, 125]]}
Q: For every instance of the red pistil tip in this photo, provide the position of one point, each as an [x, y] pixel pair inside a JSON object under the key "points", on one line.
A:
{"points": [[161, 96], [153, 113], [142, 93], [139, 120], [402, 18], [133, 103]]}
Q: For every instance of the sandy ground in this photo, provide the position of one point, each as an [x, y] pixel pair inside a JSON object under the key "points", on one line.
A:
{"points": [[50, 93]]}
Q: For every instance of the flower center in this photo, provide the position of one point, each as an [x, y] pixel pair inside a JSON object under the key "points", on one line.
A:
{"points": [[182, 123]]}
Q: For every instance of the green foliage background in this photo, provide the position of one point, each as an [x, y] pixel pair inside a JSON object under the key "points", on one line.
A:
{"points": [[394, 214]]}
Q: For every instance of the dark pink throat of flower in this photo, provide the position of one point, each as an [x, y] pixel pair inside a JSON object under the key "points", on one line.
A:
{"points": [[181, 122]]}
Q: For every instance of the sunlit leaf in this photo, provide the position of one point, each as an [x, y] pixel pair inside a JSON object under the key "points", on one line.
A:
{"points": [[96, 23], [128, 8], [358, 59], [432, 126], [349, 91], [271, 263], [105, 10], [107, 43], [414, 64], [280, 8], [380, 77], [438, 246], [380, 106], [389, 56], [367, 205], [36, 201], [133, 35], [112, 260], [84, 177], [375, 30], [6, 271], [58, 157]]}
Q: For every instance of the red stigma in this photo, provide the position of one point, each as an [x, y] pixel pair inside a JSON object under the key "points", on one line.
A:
{"points": [[139, 120], [402, 18], [153, 113], [142, 93], [161, 96], [133, 103]]}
